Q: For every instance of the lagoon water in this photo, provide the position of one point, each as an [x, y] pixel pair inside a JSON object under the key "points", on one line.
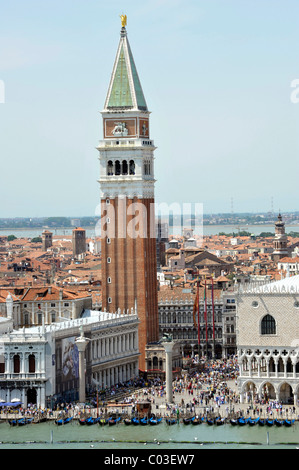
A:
{"points": [[162, 436], [92, 232]]}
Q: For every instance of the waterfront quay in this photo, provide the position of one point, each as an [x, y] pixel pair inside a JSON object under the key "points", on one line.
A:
{"points": [[210, 392]]}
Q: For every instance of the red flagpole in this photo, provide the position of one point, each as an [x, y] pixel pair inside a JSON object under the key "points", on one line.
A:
{"points": [[206, 319], [198, 319], [213, 309]]}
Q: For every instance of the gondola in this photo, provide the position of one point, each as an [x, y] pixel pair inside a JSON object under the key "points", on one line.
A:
{"points": [[261, 422], [89, 421], [82, 421], [278, 422], [196, 420], [135, 421], [269, 422], [289, 422], [24, 421], [61, 421], [102, 421], [171, 421], [242, 421], [13, 422], [144, 421], [219, 421], [234, 422], [253, 421], [154, 421], [127, 421], [188, 420], [210, 421], [113, 421]]}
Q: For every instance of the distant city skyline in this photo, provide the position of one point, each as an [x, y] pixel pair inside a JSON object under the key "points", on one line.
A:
{"points": [[217, 76]]}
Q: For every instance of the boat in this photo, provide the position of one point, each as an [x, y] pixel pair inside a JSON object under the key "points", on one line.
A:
{"points": [[135, 421], [112, 421], [144, 421], [210, 421], [242, 421], [13, 422], [82, 421], [196, 420], [24, 421], [261, 422], [63, 420], [127, 421], [278, 422], [102, 421], [289, 422], [269, 422], [253, 421], [154, 421], [89, 421], [234, 422], [188, 420], [171, 421], [220, 421]]}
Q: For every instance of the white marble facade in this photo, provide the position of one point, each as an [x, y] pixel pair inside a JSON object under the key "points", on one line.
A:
{"points": [[268, 341]]}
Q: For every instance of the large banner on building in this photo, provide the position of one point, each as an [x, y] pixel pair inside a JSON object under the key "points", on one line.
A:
{"points": [[70, 359]]}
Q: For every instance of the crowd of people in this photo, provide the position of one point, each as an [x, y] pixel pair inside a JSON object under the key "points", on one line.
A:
{"points": [[209, 387]]}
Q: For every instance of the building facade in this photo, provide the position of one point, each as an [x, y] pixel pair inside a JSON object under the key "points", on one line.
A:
{"points": [[40, 365], [268, 340], [128, 239], [32, 306], [217, 331]]}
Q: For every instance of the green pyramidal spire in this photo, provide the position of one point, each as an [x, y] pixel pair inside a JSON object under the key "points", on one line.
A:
{"points": [[125, 90]]}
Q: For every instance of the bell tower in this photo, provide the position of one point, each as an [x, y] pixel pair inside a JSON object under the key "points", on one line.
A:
{"points": [[128, 239], [280, 240]]}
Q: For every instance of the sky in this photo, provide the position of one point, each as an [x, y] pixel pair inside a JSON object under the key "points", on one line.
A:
{"points": [[219, 77]]}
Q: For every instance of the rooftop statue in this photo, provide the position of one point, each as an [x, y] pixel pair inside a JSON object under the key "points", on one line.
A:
{"points": [[123, 20]]}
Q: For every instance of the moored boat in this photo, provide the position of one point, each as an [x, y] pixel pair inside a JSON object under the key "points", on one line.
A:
{"points": [[102, 421], [188, 420], [89, 421], [170, 421], [219, 421], [154, 421], [113, 421], [196, 420], [253, 421], [242, 421], [289, 422]]}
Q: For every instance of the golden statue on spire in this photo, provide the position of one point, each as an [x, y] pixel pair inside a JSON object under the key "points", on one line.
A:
{"points": [[123, 20]]}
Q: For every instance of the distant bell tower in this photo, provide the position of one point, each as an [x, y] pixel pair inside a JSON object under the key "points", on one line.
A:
{"points": [[128, 238], [280, 240]]}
